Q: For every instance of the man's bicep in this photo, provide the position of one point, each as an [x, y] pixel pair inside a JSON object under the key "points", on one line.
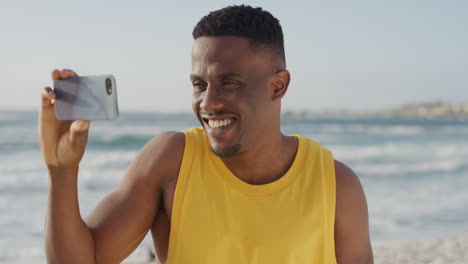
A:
{"points": [[352, 242], [120, 222]]}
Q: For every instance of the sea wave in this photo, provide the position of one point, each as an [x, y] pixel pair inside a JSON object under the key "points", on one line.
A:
{"points": [[403, 150], [434, 167], [103, 170], [17, 143], [406, 158], [22, 255], [124, 141], [378, 129], [13, 183]]}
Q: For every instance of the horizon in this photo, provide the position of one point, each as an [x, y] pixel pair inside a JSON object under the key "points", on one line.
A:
{"points": [[283, 110]]}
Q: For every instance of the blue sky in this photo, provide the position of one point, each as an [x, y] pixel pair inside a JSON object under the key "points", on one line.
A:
{"points": [[341, 54]]}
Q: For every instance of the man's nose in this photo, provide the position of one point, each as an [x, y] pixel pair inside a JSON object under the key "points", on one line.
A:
{"points": [[212, 99]]}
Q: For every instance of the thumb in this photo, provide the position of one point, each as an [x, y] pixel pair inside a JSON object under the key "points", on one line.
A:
{"points": [[79, 134]]}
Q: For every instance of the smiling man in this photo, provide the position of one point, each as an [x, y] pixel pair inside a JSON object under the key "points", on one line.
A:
{"points": [[235, 190]]}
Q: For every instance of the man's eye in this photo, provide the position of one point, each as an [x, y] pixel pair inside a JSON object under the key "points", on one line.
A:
{"points": [[230, 84], [198, 85]]}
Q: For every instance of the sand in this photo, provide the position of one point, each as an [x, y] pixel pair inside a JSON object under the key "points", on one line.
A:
{"points": [[443, 251], [436, 251]]}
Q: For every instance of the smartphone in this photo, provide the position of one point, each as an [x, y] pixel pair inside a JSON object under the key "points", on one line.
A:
{"points": [[86, 98]]}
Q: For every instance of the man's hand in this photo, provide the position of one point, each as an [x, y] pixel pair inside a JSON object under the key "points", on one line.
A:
{"points": [[62, 143]]}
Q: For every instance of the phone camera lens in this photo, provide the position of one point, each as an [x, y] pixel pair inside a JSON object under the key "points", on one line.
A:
{"points": [[108, 86]]}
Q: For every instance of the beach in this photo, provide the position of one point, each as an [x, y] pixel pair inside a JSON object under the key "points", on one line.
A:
{"points": [[430, 251], [434, 251]]}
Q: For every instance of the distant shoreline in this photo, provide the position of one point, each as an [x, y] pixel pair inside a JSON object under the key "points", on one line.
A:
{"points": [[435, 110]]}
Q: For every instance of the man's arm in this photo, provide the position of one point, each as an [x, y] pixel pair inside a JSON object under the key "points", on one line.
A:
{"points": [[122, 219], [120, 222], [352, 242]]}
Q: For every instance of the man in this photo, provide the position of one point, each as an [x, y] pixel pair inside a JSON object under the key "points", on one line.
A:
{"points": [[234, 191]]}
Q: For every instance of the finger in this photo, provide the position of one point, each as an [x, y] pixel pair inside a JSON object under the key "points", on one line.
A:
{"points": [[79, 134], [55, 74], [46, 97], [66, 73], [80, 126]]}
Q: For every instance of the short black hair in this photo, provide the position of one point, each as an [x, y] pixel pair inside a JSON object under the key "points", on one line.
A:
{"points": [[255, 24]]}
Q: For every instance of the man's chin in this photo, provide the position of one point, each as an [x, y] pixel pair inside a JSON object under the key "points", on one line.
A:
{"points": [[227, 151]]}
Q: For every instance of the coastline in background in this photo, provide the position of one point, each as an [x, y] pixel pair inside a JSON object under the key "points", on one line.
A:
{"points": [[432, 110]]}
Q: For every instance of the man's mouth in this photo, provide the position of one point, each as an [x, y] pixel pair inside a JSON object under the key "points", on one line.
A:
{"points": [[219, 126], [219, 123]]}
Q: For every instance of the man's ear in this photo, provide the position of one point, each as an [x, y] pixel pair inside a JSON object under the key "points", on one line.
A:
{"points": [[280, 84]]}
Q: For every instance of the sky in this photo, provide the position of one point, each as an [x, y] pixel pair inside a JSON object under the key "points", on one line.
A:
{"points": [[358, 55]]}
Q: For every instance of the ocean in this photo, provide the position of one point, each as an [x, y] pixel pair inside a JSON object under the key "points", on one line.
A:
{"points": [[414, 172]]}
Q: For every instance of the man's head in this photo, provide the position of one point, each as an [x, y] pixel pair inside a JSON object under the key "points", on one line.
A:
{"points": [[261, 28], [239, 77]]}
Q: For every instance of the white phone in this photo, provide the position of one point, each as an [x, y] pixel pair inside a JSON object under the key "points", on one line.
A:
{"points": [[86, 98]]}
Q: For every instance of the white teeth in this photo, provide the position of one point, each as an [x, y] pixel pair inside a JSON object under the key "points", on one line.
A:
{"points": [[219, 123]]}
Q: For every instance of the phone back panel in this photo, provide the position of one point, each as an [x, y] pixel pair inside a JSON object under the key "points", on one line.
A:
{"points": [[86, 98]]}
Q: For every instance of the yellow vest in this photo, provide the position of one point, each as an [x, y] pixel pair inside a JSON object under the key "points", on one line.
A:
{"points": [[219, 219]]}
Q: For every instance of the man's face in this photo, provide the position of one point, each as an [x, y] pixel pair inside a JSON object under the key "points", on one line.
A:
{"points": [[231, 92]]}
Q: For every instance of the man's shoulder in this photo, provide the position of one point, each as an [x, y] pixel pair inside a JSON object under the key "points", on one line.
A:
{"points": [[345, 176], [167, 140], [167, 146], [160, 158], [349, 191]]}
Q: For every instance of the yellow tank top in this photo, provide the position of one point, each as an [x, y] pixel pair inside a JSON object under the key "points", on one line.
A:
{"points": [[219, 219]]}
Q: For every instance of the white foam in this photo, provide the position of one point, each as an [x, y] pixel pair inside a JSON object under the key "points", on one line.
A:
{"points": [[365, 129], [402, 169], [393, 130], [22, 255], [404, 158], [453, 130]]}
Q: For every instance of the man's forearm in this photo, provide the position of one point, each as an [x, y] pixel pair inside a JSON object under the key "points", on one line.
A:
{"points": [[68, 239]]}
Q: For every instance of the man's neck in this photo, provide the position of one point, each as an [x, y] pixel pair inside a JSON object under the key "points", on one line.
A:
{"points": [[267, 162]]}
